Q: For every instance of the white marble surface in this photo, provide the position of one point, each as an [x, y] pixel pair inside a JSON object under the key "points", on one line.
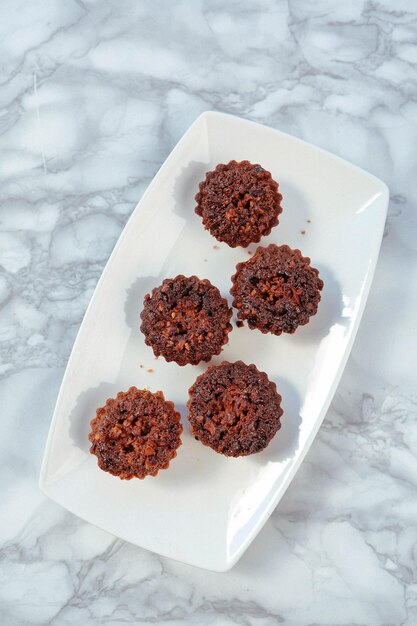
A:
{"points": [[93, 97]]}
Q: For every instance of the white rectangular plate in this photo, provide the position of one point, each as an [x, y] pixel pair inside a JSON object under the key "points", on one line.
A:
{"points": [[206, 509]]}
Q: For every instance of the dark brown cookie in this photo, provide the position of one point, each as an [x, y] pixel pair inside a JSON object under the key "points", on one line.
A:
{"points": [[276, 290], [186, 320], [234, 408], [239, 203], [135, 434]]}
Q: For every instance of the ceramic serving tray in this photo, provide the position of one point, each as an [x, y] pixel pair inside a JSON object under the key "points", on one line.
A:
{"points": [[206, 509]]}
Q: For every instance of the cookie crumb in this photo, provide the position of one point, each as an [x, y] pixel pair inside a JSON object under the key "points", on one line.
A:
{"points": [[309, 221], [250, 252], [239, 324], [141, 366], [216, 247], [150, 370], [303, 232]]}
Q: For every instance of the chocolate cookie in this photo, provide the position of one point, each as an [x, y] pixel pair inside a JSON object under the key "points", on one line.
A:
{"points": [[186, 320], [234, 408], [239, 203], [276, 290], [135, 434]]}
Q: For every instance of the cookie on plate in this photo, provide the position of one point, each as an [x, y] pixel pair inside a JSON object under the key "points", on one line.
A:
{"points": [[186, 320], [239, 203], [276, 290], [234, 408], [135, 434]]}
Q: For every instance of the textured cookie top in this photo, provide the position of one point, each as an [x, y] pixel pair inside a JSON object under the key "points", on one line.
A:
{"points": [[234, 408], [186, 320], [239, 203], [135, 434], [276, 290]]}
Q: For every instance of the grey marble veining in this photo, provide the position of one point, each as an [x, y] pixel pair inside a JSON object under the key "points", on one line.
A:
{"points": [[93, 96]]}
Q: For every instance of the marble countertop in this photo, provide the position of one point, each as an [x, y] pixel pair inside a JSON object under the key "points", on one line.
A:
{"points": [[93, 97]]}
